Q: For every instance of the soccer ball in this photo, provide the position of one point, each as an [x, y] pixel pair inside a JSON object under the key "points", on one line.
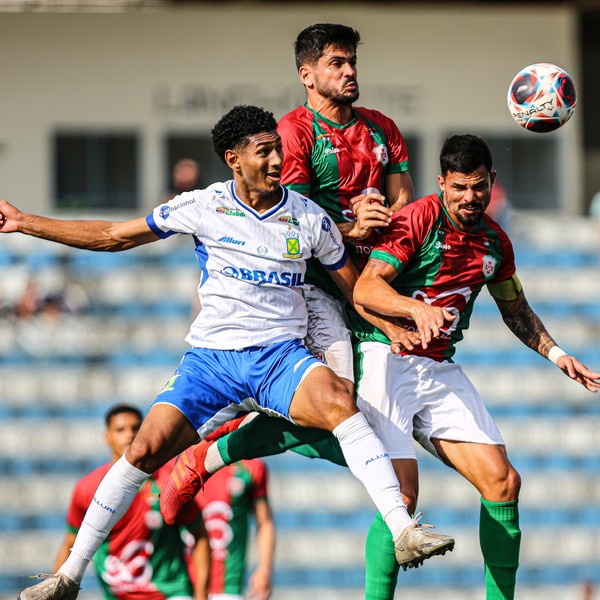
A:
{"points": [[541, 97]]}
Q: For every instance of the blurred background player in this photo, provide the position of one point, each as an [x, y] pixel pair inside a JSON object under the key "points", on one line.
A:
{"points": [[143, 558], [228, 502], [185, 176]]}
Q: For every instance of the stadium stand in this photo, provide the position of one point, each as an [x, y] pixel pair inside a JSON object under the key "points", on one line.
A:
{"points": [[119, 335]]}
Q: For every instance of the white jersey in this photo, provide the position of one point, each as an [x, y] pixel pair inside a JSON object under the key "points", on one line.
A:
{"points": [[253, 265]]}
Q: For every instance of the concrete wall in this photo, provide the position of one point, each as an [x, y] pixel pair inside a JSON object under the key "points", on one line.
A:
{"points": [[435, 70]]}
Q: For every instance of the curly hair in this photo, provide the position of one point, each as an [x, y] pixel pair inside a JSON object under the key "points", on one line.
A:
{"points": [[312, 41], [233, 129]]}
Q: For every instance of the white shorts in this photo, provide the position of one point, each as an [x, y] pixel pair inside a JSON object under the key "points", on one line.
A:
{"points": [[406, 396], [328, 336]]}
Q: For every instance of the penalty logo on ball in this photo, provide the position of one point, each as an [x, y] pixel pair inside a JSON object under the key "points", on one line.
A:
{"points": [[541, 97]]}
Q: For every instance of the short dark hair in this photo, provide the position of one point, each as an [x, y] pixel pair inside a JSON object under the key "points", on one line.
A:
{"points": [[312, 41], [464, 153], [119, 409], [233, 128]]}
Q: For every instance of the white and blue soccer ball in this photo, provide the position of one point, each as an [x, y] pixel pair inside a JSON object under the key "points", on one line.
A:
{"points": [[542, 97]]}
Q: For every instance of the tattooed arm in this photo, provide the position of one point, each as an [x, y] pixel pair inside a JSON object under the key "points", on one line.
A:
{"points": [[528, 327]]}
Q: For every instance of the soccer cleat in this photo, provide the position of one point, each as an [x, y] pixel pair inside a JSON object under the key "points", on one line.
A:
{"points": [[416, 544], [53, 587], [189, 473]]}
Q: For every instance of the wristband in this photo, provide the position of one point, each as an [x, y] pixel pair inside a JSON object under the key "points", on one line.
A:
{"points": [[555, 353]]}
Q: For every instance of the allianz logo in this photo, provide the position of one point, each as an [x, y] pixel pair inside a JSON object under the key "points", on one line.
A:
{"points": [[443, 246], [229, 240]]}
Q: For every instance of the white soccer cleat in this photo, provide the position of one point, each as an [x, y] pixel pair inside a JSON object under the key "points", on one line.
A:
{"points": [[53, 587], [417, 544]]}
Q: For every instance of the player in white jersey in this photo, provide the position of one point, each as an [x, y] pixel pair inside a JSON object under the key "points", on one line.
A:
{"points": [[253, 264], [247, 348]]}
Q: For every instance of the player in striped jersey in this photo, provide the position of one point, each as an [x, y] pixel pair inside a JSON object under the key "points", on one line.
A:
{"points": [[253, 238], [143, 558], [228, 501], [442, 250]]}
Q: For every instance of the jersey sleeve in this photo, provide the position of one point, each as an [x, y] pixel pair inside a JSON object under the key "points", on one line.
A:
{"points": [[404, 235], [260, 479], [297, 148], [396, 147], [329, 248], [82, 496], [507, 268], [178, 215]]}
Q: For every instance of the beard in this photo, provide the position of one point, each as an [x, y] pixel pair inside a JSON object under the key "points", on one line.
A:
{"points": [[338, 97], [470, 220], [345, 100]]}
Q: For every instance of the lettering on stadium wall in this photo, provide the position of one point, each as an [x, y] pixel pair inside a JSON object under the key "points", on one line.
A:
{"points": [[197, 100]]}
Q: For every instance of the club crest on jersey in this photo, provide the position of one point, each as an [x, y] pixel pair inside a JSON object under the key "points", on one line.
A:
{"points": [[381, 153], [292, 242], [489, 266]]}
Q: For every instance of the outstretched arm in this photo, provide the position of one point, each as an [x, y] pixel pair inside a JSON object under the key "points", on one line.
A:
{"points": [[528, 327], [91, 235]]}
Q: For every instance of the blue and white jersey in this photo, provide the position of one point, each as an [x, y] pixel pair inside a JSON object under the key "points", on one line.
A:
{"points": [[253, 265]]}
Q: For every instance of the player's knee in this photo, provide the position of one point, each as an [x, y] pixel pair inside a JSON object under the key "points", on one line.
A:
{"points": [[143, 455], [505, 487], [338, 404]]}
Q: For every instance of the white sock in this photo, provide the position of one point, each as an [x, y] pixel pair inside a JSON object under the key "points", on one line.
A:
{"points": [[111, 501], [213, 460], [369, 462]]}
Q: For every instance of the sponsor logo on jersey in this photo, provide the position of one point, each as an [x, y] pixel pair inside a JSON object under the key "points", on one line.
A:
{"points": [[441, 246], [290, 220], [326, 224], [166, 210], [489, 266], [230, 212], [332, 150], [292, 242], [381, 153], [285, 279], [229, 240], [262, 250], [324, 136]]}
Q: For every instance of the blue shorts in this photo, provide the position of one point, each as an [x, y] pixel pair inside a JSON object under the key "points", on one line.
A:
{"points": [[211, 386]]}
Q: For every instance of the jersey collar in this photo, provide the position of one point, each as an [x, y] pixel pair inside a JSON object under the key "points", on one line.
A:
{"points": [[266, 214], [331, 123]]}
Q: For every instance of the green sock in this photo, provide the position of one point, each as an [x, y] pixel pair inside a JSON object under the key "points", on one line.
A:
{"points": [[382, 568], [266, 436], [500, 540], [327, 449]]}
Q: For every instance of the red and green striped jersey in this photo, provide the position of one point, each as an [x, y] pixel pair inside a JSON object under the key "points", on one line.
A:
{"points": [[333, 163], [227, 501], [142, 558], [439, 263]]}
